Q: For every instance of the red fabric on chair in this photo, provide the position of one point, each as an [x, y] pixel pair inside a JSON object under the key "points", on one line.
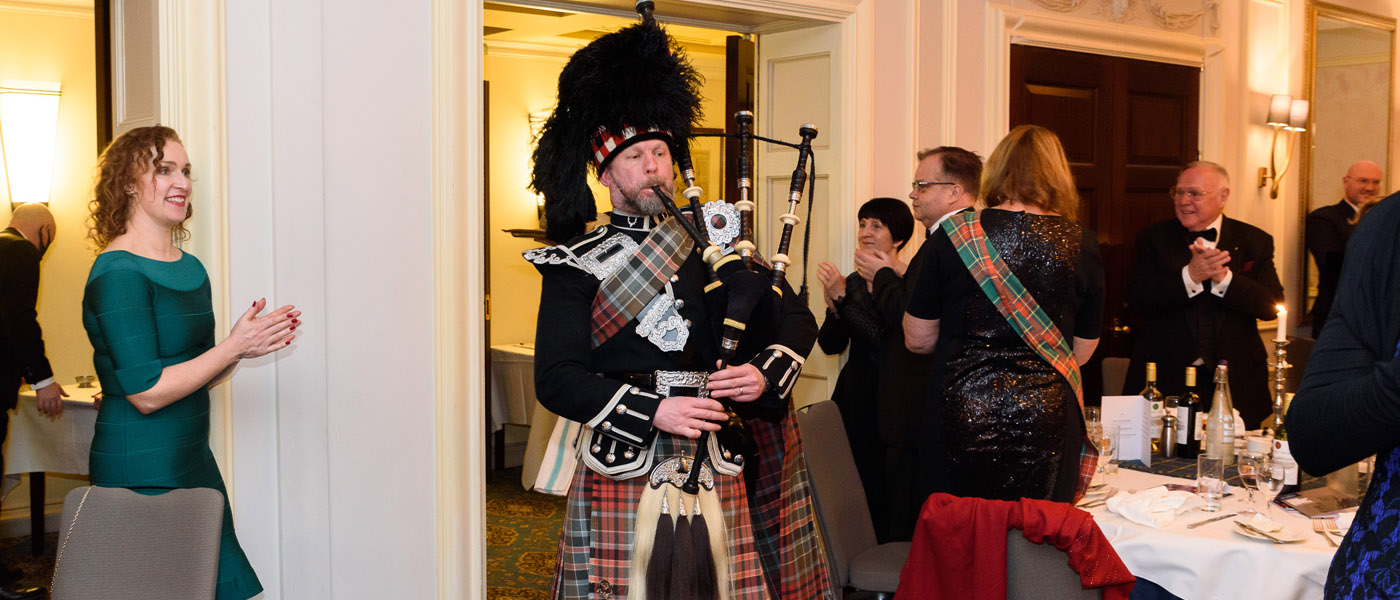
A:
{"points": [[959, 549]]}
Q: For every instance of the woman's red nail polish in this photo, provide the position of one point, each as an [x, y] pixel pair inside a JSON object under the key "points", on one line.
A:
{"points": [[289, 342]]}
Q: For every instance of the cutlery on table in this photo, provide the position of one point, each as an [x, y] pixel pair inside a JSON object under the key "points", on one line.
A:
{"points": [[1320, 528], [1210, 520], [1332, 527], [1266, 534], [1097, 502]]}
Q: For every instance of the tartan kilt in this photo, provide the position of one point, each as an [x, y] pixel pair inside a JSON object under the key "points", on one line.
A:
{"points": [[784, 515], [595, 544]]}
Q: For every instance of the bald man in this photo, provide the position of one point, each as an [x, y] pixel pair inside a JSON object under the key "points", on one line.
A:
{"points": [[22, 245], [1329, 228]]}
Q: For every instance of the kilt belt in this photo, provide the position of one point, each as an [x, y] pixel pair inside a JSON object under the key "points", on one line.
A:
{"points": [[623, 459]]}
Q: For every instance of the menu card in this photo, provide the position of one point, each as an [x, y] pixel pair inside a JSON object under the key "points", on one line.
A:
{"points": [[1133, 419]]}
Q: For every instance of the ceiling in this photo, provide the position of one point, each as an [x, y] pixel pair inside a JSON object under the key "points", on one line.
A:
{"points": [[573, 23]]}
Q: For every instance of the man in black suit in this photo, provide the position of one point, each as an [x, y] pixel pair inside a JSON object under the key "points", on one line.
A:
{"points": [[1330, 227], [1199, 283], [946, 180], [22, 245]]}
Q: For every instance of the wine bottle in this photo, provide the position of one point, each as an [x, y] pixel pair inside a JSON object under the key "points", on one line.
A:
{"points": [[1283, 458], [1155, 406], [1220, 423], [1188, 419]]}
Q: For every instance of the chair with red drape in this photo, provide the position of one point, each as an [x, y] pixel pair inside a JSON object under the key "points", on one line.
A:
{"points": [[960, 550]]}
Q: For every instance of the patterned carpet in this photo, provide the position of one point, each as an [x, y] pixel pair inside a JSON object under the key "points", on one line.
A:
{"points": [[522, 536], [37, 570]]}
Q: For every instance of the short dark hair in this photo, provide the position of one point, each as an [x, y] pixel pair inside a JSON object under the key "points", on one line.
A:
{"points": [[962, 166], [895, 214]]}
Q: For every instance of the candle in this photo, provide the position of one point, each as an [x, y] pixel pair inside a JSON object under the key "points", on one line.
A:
{"points": [[1282, 324]]}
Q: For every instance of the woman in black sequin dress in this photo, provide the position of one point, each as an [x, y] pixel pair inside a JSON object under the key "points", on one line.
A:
{"points": [[1001, 422], [854, 321]]}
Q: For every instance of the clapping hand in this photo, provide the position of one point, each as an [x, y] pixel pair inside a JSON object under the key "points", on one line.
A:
{"points": [[833, 284], [255, 335], [1208, 263], [870, 263]]}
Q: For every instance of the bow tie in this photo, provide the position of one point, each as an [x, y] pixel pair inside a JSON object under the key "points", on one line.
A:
{"points": [[1208, 235]]}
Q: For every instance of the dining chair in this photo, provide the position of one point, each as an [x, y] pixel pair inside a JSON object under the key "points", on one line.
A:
{"points": [[1035, 571], [863, 568], [116, 544], [1115, 372]]}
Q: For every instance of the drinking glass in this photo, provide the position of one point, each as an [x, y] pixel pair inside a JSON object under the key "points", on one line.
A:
{"points": [[1249, 466], [1210, 481], [1107, 441], [1271, 476]]}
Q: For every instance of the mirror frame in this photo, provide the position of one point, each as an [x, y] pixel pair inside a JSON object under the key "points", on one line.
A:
{"points": [[1317, 9]]}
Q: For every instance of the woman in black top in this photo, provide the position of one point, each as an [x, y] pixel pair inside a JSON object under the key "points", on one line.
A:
{"points": [[1001, 422], [853, 321]]}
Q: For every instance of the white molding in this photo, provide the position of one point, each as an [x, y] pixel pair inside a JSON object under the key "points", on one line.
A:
{"points": [[52, 9], [547, 52], [171, 59], [997, 117], [458, 311], [1099, 37], [832, 11], [948, 119]]}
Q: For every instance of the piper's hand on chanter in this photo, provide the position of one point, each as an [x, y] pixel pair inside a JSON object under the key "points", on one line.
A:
{"points": [[688, 416], [255, 335], [833, 284], [740, 383]]}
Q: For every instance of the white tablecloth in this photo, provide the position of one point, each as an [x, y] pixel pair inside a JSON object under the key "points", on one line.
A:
{"points": [[60, 445], [512, 384], [1212, 562]]}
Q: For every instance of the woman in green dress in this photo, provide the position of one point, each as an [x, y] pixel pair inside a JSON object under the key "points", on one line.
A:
{"points": [[148, 313]]}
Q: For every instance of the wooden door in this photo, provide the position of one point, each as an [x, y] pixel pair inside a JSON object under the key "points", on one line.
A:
{"points": [[1127, 127]]}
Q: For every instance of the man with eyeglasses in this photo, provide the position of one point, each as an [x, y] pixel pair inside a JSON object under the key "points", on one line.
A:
{"points": [[1330, 227], [1198, 285], [946, 181]]}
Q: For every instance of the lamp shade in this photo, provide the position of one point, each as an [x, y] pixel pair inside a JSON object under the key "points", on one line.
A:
{"points": [[1298, 115], [28, 131], [1278, 109]]}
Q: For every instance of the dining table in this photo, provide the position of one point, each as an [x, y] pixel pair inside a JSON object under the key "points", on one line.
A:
{"points": [[1215, 561], [37, 444]]}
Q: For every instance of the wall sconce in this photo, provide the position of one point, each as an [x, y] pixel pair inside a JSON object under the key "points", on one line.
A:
{"points": [[1285, 113], [28, 132]]}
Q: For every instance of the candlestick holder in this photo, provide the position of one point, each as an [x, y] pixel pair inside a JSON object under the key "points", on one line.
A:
{"points": [[1280, 376]]}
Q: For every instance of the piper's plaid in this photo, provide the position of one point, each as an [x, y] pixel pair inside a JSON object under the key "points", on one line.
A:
{"points": [[785, 526], [1023, 313], [595, 544], [626, 292]]}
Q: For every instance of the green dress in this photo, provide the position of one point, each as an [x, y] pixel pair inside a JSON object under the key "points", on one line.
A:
{"points": [[142, 315]]}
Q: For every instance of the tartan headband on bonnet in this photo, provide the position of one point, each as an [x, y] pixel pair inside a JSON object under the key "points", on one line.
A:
{"points": [[627, 86]]}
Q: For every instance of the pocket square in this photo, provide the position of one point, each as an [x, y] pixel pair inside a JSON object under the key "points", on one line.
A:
{"points": [[1249, 264]]}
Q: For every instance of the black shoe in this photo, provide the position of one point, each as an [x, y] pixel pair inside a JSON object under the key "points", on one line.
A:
{"points": [[22, 592]]}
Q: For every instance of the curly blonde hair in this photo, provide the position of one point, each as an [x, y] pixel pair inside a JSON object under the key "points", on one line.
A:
{"points": [[130, 156], [1029, 166]]}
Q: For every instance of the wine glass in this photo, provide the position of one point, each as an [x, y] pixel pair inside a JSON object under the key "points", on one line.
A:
{"points": [[1250, 466], [1271, 476]]}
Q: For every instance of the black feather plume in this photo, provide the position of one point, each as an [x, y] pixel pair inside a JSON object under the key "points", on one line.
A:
{"points": [[638, 77]]}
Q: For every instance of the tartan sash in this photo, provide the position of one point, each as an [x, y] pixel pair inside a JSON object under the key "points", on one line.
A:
{"points": [[1023, 313], [628, 290]]}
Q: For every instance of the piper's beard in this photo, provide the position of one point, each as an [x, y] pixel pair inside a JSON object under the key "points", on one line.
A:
{"points": [[643, 201]]}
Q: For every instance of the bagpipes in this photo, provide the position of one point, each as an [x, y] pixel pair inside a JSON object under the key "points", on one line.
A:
{"points": [[686, 558]]}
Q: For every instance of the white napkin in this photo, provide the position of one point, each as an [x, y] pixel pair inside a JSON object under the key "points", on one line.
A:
{"points": [[1345, 519], [1263, 523], [1154, 507]]}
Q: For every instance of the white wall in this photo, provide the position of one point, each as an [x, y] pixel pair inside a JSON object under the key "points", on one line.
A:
{"points": [[330, 208]]}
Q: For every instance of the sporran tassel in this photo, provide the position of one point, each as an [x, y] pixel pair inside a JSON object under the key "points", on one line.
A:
{"points": [[658, 568], [653, 521], [706, 584], [683, 582]]}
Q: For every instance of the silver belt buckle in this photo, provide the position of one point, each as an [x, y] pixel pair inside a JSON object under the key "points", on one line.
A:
{"points": [[681, 383]]}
